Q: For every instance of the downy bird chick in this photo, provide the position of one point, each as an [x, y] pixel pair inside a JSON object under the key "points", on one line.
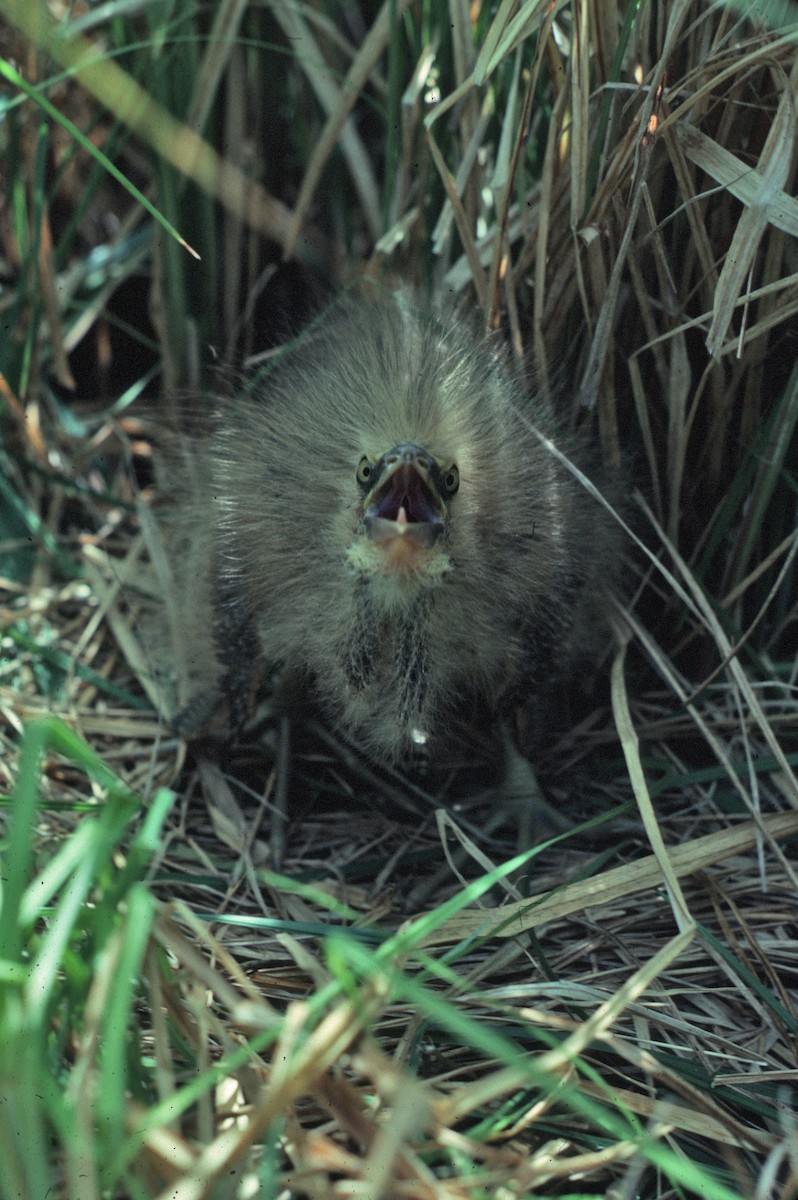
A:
{"points": [[389, 530]]}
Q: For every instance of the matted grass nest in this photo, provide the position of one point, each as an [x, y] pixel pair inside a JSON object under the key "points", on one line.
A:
{"points": [[406, 1009]]}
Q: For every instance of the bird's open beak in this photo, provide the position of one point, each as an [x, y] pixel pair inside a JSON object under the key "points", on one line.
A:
{"points": [[405, 503]]}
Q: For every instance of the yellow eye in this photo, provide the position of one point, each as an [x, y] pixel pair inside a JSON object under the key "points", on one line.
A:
{"points": [[365, 471], [451, 479]]}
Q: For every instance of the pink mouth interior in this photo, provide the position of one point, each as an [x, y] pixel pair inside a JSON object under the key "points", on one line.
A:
{"points": [[406, 490]]}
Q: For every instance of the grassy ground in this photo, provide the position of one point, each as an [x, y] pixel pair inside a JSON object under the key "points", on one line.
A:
{"points": [[612, 186]]}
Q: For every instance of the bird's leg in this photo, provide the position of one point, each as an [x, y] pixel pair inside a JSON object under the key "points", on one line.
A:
{"points": [[532, 815]]}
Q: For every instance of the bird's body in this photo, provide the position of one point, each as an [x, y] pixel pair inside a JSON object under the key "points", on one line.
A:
{"points": [[389, 530]]}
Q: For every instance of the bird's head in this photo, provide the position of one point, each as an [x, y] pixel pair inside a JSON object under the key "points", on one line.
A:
{"points": [[406, 494]]}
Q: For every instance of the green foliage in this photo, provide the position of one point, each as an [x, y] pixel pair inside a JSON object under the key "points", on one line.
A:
{"points": [[72, 935]]}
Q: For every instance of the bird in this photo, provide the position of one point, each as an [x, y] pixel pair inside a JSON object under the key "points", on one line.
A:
{"points": [[391, 530]]}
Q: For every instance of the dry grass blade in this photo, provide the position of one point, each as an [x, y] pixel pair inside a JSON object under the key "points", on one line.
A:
{"points": [[52, 307], [337, 103], [608, 1013], [108, 593], [580, 131], [736, 669], [221, 44], [619, 883], [735, 176], [506, 32], [773, 169], [478, 277], [678, 1116], [631, 750], [442, 231]]}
